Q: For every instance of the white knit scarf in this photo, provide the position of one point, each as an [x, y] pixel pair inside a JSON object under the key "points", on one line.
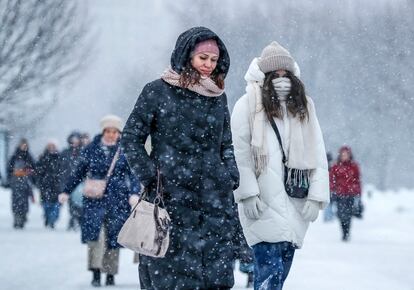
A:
{"points": [[305, 137], [206, 86]]}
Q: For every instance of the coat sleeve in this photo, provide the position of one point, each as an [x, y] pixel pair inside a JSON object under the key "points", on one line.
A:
{"points": [[227, 150], [241, 138], [135, 133], [77, 175], [319, 177]]}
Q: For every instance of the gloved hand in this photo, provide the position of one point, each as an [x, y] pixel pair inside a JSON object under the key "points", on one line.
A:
{"points": [[133, 199], [310, 210], [253, 207], [63, 197]]}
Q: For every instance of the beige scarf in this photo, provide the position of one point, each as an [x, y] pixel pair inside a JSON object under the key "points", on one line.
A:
{"points": [[306, 145], [206, 86]]}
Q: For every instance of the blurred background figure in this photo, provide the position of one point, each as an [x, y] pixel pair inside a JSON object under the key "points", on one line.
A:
{"points": [[49, 183], [346, 184], [20, 175], [85, 139], [330, 210], [70, 157]]}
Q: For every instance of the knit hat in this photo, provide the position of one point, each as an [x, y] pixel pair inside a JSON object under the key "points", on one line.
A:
{"points": [[209, 45], [111, 121], [275, 57]]}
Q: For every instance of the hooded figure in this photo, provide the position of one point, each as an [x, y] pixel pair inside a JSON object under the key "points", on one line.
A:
{"points": [[186, 114], [274, 223], [345, 182]]}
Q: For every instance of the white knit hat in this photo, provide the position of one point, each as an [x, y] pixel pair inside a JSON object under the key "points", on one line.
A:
{"points": [[111, 121], [275, 57]]}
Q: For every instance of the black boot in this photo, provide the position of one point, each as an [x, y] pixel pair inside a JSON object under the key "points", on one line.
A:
{"points": [[96, 278], [110, 280]]}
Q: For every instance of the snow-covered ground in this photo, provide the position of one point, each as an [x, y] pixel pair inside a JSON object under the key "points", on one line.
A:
{"points": [[379, 256]]}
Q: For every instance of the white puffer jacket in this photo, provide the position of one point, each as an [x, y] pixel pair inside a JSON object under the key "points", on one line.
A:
{"points": [[281, 219]]}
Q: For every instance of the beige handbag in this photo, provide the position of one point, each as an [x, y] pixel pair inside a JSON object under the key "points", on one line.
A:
{"points": [[147, 230], [95, 188]]}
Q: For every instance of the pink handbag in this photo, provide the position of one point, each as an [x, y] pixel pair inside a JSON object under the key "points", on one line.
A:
{"points": [[95, 188]]}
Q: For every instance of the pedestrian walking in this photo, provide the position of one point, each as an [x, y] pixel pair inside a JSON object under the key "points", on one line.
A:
{"points": [[278, 142], [103, 216], [48, 181], [70, 157], [346, 184], [20, 176], [186, 114]]}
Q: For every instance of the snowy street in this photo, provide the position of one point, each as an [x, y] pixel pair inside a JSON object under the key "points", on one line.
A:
{"points": [[379, 255]]}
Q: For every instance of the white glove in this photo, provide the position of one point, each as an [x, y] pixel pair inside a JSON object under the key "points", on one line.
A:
{"points": [[63, 197], [253, 207], [310, 210], [133, 199]]}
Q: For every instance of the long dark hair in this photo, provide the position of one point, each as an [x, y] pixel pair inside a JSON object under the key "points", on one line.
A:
{"points": [[296, 103], [190, 76]]}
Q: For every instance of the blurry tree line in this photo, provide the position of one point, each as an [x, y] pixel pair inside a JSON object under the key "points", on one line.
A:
{"points": [[43, 45]]}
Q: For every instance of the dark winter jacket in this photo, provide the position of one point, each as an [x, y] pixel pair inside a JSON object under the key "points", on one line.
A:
{"points": [[69, 159], [345, 177], [192, 147], [48, 177], [20, 176], [113, 209]]}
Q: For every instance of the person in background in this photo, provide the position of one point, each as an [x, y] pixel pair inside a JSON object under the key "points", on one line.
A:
{"points": [[49, 183], [20, 176], [186, 114], [345, 182], [70, 157], [85, 139], [102, 218], [274, 223], [328, 213]]}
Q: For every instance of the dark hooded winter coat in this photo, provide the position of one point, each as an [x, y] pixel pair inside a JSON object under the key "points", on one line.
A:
{"points": [[20, 176], [113, 209], [192, 148], [48, 177]]}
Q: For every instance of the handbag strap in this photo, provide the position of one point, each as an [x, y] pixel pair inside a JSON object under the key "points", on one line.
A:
{"points": [[273, 124], [112, 167], [159, 192]]}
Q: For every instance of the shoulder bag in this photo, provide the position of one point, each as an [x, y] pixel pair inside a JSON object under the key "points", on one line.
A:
{"points": [[95, 188], [147, 230], [293, 187]]}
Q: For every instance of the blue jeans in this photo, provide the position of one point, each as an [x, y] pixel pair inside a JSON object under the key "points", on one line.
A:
{"points": [[272, 262], [51, 210]]}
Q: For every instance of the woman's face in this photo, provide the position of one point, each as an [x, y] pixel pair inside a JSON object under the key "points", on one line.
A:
{"points": [[111, 135], [23, 147], [204, 63], [345, 156]]}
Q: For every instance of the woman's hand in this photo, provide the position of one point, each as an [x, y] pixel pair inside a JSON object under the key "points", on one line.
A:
{"points": [[310, 210], [133, 200], [63, 197], [253, 207]]}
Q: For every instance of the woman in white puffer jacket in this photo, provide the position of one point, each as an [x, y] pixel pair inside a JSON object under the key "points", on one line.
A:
{"points": [[274, 223]]}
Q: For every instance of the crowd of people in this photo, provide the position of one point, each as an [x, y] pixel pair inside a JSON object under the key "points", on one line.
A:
{"points": [[236, 186], [48, 174]]}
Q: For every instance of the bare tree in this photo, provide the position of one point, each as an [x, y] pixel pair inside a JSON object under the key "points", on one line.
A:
{"points": [[43, 43]]}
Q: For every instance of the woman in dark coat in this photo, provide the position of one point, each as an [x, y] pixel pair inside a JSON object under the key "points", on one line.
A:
{"points": [[48, 180], [103, 218], [186, 114], [20, 175], [345, 182]]}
